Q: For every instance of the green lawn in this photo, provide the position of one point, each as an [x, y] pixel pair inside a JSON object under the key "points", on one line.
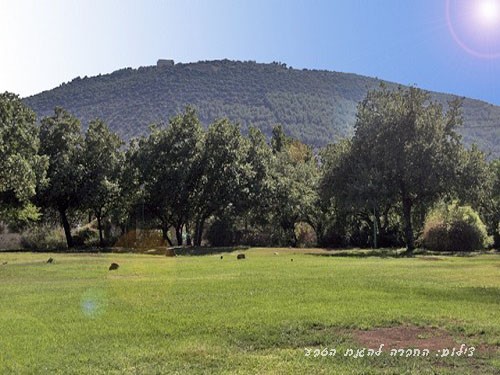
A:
{"points": [[203, 314]]}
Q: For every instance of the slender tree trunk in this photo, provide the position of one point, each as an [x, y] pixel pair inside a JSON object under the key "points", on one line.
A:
{"points": [[188, 236], [197, 236], [178, 234], [318, 229], [67, 228], [99, 227], [381, 231], [199, 231], [408, 228]]}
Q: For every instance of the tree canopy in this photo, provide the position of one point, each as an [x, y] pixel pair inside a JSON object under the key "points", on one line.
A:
{"points": [[22, 168], [404, 152], [224, 186], [62, 143]]}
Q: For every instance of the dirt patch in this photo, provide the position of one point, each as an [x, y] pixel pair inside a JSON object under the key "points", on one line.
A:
{"points": [[405, 337]]}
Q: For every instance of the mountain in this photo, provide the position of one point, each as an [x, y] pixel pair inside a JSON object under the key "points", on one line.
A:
{"points": [[314, 106]]}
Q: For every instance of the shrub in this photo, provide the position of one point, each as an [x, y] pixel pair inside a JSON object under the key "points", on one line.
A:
{"points": [[222, 232], [305, 234], [454, 228], [86, 236], [43, 238], [257, 236], [141, 239]]}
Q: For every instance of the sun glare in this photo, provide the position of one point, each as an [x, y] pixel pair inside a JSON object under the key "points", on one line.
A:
{"points": [[475, 26], [488, 12]]}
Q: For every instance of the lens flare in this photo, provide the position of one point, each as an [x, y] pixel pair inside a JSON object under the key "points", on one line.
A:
{"points": [[475, 26], [93, 303], [487, 12]]}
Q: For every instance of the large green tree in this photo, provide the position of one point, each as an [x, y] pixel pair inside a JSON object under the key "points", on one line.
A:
{"points": [[22, 168], [226, 172], [170, 165], [493, 218], [294, 181], [61, 141], [130, 187], [405, 150], [259, 198], [102, 161]]}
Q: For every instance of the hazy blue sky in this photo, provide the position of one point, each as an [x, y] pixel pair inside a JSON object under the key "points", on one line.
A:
{"points": [[44, 43]]}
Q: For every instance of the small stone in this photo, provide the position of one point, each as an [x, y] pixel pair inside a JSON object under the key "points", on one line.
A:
{"points": [[114, 266]]}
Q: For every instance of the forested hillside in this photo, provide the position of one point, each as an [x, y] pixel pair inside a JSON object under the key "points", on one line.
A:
{"points": [[314, 106]]}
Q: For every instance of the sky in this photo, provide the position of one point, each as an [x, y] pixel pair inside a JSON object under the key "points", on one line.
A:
{"points": [[450, 46]]}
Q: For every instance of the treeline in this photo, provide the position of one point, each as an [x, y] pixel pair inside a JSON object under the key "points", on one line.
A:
{"points": [[219, 186]]}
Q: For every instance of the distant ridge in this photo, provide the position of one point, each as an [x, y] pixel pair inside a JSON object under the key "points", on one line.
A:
{"points": [[315, 106]]}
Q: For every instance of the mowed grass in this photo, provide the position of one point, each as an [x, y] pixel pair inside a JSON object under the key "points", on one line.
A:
{"points": [[206, 315]]}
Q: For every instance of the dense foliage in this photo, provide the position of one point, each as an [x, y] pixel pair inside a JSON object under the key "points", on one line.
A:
{"points": [[315, 107], [21, 166], [62, 143], [454, 228], [183, 184]]}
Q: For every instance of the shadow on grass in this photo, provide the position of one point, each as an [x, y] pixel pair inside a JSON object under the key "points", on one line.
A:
{"points": [[124, 250], [207, 250], [397, 253], [380, 253]]}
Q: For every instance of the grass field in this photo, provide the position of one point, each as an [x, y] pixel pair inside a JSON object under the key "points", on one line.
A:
{"points": [[207, 315]]}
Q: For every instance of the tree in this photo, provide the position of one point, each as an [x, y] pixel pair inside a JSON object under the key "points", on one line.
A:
{"points": [[279, 140], [225, 174], [491, 206], [170, 163], [61, 141], [129, 182], [185, 137], [259, 158], [333, 208], [294, 179], [22, 169], [404, 150], [495, 203], [102, 161], [150, 161]]}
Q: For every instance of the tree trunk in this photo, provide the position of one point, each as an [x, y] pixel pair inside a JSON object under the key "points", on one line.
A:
{"points": [[320, 235], [199, 231], [178, 234], [289, 231], [99, 227], [164, 232], [67, 228], [188, 236], [408, 228], [295, 240]]}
